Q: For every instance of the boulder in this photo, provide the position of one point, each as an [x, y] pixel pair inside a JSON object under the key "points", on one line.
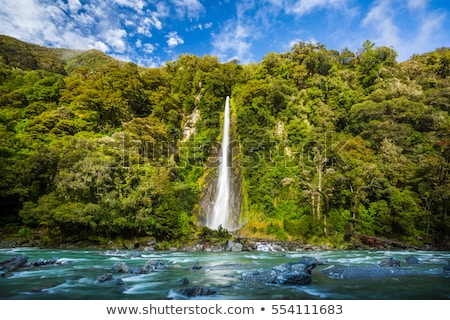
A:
{"points": [[228, 245], [372, 271], [237, 247], [292, 273], [108, 279], [197, 291], [184, 281], [149, 266], [120, 267], [413, 260], [105, 277], [7, 274], [295, 278], [13, 263], [43, 262], [159, 265], [390, 262]]}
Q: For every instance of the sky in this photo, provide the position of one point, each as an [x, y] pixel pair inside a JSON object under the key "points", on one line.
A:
{"points": [[152, 32]]}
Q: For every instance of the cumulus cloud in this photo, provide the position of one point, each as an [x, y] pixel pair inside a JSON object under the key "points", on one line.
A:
{"points": [[381, 18], [116, 38], [173, 39], [425, 28], [189, 8], [302, 7], [233, 42]]}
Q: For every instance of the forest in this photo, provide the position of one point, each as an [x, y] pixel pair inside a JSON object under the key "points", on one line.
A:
{"points": [[330, 143]]}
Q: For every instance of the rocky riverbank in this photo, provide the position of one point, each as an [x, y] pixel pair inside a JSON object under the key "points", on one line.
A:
{"points": [[230, 243]]}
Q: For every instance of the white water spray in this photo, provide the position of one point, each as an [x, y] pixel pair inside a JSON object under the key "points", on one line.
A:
{"points": [[221, 205]]}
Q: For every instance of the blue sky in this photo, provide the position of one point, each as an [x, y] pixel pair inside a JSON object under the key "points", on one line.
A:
{"points": [[152, 32]]}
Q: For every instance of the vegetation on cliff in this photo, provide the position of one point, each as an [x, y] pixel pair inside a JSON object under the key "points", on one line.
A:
{"points": [[331, 143]]}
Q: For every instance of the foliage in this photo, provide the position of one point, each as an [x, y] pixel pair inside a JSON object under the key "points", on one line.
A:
{"points": [[331, 143]]}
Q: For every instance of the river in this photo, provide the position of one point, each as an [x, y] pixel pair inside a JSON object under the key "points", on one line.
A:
{"points": [[75, 275]]}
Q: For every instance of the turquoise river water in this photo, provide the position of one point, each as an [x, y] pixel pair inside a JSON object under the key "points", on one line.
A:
{"points": [[75, 275]]}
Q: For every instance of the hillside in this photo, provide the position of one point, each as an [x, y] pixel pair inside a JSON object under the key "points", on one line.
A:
{"points": [[327, 145], [27, 56]]}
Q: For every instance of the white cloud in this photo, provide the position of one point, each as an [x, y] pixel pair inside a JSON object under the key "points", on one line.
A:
{"points": [[302, 7], [233, 42], [380, 18], [137, 5], [173, 39], [75, 5], [417, 4], [190, 8], [116, 39], [425, 27], [149, 48]]}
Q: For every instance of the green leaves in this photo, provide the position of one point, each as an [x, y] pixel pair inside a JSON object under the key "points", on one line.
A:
{"points": [[327, 142]]}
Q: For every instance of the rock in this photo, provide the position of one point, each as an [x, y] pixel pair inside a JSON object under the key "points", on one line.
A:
{"points": [[237, 247], [148, 267], [196, 266], [120, 267], [107, 278], [184, 281], [233, 246], [7, 274], [117, 282], [292, 273], [412, 260], [446, 268], [391, 262], [159, 265], [13, 263], [373, 271], [197, 291], [43, 262], [295, 278], [267, 276], [228, 245]]}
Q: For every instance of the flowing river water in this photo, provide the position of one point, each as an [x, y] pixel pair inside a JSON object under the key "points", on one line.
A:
{"points": [[75, 275]]}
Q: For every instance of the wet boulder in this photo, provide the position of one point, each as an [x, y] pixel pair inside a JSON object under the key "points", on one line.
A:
{"points": [[197, 291], [148, 267], [108, 279], [43, 262], [157, 265], [13, 263], [233, 246], [291, 273], [372, 271], [120, 267], [268, 276], [390, 262], [412, 260]]}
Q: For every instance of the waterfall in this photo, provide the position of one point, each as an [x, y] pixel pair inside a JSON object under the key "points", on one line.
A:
{"points": [[222, 202]]}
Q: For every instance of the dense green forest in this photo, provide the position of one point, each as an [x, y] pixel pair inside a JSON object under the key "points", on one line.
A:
{"points": [[330, 143]]}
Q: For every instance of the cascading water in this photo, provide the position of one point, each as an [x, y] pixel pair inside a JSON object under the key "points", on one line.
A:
{"points": [[219, 216]]}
